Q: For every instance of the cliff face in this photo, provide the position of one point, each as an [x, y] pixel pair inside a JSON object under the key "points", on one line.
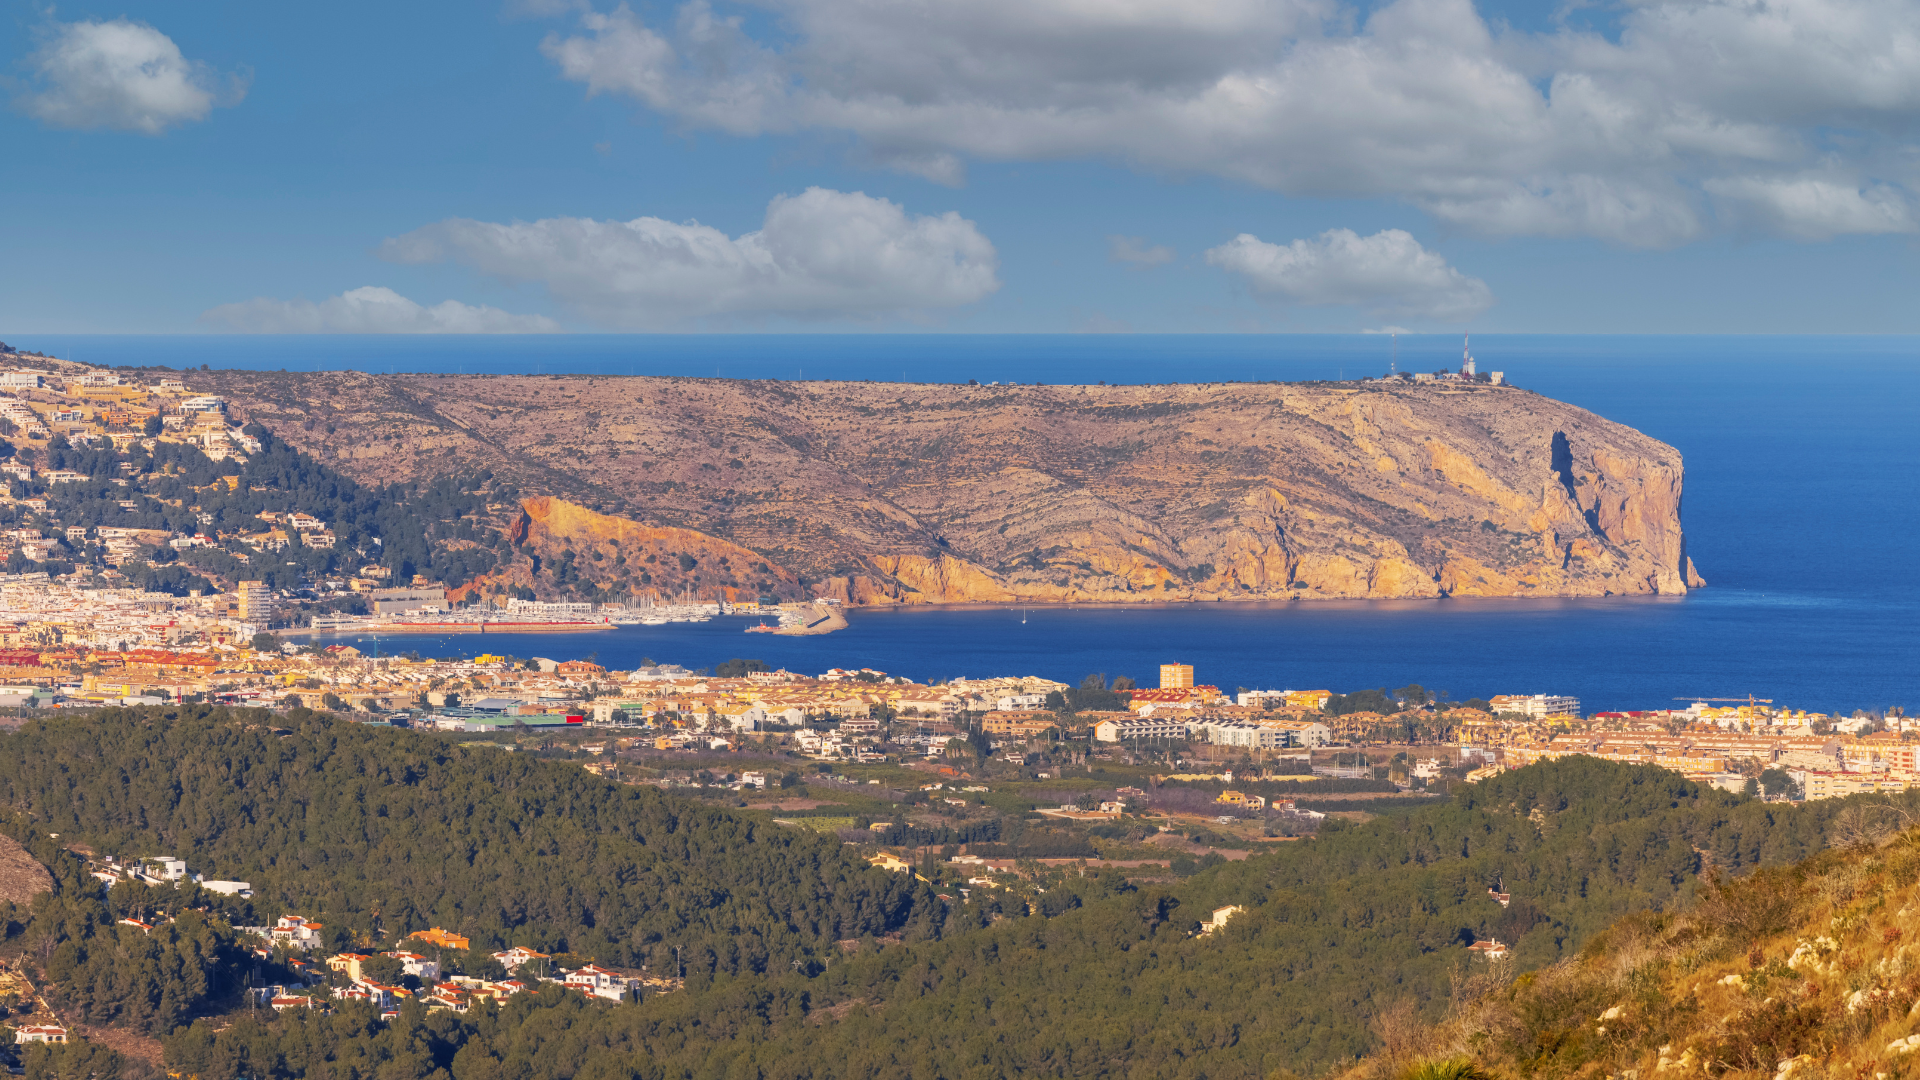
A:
{"points": [[902, 493], [560, 541]]}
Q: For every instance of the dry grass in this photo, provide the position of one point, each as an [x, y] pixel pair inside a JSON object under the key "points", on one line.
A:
{"points": [[1817, 965], [140, 1047]]}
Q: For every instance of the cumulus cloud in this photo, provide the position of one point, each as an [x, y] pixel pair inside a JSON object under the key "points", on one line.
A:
{"points": [[121, 75], [1137, 252], [372, 309], [1689, 117], [1813, 208], [820, 254], [1388, 273]]}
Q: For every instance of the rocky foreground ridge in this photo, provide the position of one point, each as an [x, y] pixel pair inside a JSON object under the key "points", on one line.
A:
{"points": [[1802, 972], [885, 493]]}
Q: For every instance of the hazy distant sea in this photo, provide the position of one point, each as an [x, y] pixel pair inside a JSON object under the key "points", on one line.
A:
{"points": [[1800, 511]]}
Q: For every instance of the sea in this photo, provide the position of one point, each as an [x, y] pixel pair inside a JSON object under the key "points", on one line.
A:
{"points": [[1800, 511]]}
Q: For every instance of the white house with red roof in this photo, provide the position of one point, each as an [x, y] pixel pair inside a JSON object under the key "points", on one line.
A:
{"points": [[600, 982], [513, 958], [296, 931]]}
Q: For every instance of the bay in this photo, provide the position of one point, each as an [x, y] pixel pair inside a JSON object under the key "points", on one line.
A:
{"points": [[1800, 511]]}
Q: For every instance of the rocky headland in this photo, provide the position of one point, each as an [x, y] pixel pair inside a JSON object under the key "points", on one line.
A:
{"points": [[895, 493]]}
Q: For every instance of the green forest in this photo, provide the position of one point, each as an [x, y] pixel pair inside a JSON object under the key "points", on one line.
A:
{"points": [[338, 822], [372, 829]]}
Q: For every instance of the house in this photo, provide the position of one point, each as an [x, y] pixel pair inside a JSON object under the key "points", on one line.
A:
{"points": [[741, 717], [294, 931], [348, 963], [1218, 920], [444, 939], [518, 956], [144, 926], [283, 1002], [416, 965], [889, 861], [451, 998], [384, 997], [40, 1033], [1490, 948], [600, 982], [506, 988]]}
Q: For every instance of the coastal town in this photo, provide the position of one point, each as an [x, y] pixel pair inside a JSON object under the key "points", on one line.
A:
{"points": [[62, 647]]}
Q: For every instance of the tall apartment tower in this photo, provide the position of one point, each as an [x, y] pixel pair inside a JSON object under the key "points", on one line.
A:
{"points": [[1176, 676], [256, 601]]}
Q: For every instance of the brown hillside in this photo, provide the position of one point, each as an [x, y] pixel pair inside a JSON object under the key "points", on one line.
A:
{"points": [[886, 493], [21, 876], [1808, 972]]}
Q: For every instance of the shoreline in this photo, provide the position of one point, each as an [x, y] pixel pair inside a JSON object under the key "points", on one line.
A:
{"points": [[455, 628]]}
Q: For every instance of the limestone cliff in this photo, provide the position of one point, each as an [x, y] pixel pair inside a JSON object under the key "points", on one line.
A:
{"points": [[559, 543], [885, 493]]}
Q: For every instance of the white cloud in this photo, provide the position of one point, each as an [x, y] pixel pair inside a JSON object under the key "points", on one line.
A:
{"points": [[122, 75], [819, 254], [1636, 139], [1813, 208], [1388, 273], [373, 310], [1136, 251]]}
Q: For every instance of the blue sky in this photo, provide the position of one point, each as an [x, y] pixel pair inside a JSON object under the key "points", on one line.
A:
{"points": [[968, 165]]}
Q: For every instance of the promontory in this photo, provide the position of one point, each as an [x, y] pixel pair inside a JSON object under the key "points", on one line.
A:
{"points": [[885, 493]]}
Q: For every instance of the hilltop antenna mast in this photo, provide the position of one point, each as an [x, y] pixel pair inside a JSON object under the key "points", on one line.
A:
{"points": [[1393, 365]]}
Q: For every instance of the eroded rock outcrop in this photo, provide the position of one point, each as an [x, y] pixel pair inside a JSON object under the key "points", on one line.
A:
{"points": [[899, 493]]}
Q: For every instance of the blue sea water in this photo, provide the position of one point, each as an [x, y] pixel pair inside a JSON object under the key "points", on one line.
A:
{"points": [[1800, 511]]}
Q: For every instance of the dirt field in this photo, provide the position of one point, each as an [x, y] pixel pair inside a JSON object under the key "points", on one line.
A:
{"points": [[141, 1047], [21, 878]]}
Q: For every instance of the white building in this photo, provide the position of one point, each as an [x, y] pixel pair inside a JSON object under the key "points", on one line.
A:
{"points": [[600, 982], [1240, 733], [1308, 733], [295, 931], [1147, 727], [417, 966], [1536, 706]]}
